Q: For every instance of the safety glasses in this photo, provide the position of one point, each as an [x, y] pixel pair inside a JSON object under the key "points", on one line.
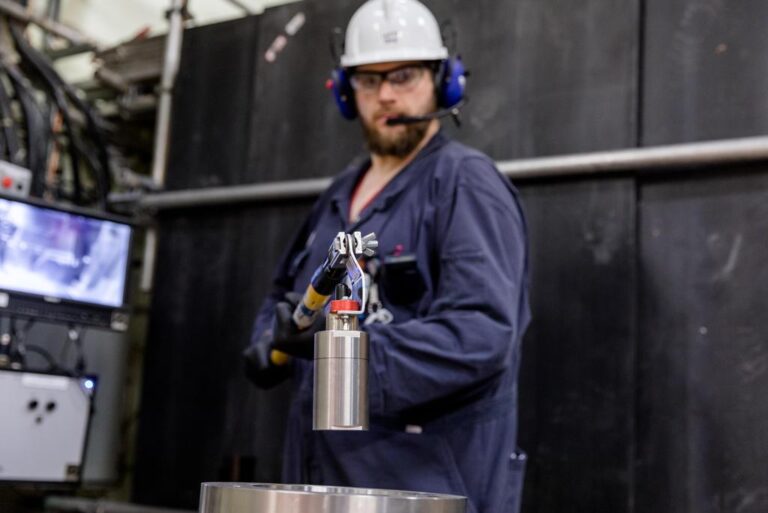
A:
{"points": [[400, 79]]}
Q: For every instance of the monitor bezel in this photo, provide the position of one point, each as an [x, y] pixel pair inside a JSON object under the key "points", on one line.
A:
{"points": [[52, 301]]}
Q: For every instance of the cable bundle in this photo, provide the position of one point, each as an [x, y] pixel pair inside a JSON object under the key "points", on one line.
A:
{"points": [[49, 129]]}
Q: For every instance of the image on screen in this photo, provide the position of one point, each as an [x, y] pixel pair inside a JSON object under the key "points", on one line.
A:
{"points": [[62, 255]]}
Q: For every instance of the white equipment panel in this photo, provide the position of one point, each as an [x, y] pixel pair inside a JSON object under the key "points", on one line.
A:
{"points": [[43, 426]]}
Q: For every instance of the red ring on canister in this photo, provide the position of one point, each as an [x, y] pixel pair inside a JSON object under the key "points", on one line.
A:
{"points": [[344, 305]]}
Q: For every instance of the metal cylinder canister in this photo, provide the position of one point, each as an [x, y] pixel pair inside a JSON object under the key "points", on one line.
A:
{"points": [[277, 498], [341, 372]]}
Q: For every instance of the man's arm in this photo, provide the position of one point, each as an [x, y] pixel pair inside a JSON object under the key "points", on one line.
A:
{"points": [[259, 366], [471, 331]]}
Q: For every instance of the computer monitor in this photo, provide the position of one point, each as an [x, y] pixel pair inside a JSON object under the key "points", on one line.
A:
{"points": [[63, 264]]}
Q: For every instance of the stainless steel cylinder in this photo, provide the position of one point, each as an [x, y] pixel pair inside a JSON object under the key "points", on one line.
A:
{"points": [[341, 375], [272, 498]]}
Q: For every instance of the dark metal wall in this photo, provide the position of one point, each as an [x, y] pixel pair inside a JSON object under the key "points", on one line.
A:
{"points": [[643, 369], [703, 363], [702, 358], [547, 77], [704, 75], [200, 418], [577, 386]]}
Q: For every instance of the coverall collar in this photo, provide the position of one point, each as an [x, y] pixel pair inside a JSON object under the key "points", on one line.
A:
{"points": [[342, 197]]}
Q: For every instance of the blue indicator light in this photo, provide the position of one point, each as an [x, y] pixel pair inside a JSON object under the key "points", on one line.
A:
{"points": [[89, 384]]}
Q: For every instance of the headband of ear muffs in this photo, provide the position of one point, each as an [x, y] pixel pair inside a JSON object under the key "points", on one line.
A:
{"points": [[450, 84]]}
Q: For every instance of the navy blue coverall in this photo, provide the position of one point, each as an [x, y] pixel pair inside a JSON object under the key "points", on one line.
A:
{"points": [[443, 374]]}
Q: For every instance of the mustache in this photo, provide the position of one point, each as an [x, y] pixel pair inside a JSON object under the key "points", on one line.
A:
{"points": [[388, 113]]}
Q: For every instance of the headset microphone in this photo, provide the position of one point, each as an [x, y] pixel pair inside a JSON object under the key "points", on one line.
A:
{"points": [[409, 120]]}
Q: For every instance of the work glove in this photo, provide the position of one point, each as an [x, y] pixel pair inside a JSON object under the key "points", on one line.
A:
{"points": [[259, 367], [287, 337]]}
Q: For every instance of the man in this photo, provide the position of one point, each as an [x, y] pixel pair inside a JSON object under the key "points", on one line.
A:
{"points": [[451, 276]]}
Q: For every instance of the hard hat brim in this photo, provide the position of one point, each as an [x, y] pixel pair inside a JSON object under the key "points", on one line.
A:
{"points": [[404, 55]]}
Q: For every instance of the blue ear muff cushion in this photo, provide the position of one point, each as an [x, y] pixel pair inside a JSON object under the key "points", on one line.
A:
{"points": [[454, 83], [344, 94]]}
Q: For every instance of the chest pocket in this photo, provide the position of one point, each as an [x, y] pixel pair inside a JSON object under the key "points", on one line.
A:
{"points": [[401, 280]]}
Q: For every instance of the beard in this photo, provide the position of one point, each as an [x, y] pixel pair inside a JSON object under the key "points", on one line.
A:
{"points": [[399, 145]]}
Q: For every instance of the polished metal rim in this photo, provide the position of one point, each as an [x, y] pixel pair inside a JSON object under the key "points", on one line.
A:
{"points": [[333, 490], [269, 498]]}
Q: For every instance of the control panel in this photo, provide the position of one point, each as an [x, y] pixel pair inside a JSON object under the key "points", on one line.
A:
{"points": [[14, 180]]}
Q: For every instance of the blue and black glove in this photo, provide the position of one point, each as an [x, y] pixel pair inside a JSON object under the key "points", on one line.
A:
{"points": [[259, 367], [287, 337]]}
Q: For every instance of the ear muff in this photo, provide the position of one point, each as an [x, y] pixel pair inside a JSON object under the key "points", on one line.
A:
{"points": [[343, 93], [451, 82]]}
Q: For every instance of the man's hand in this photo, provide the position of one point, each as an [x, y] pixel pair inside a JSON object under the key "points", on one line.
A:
{"points": [[260, 368], [287, 337]]}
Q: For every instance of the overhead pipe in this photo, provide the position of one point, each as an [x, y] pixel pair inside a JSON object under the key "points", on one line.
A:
{"points": [[639, 161]]}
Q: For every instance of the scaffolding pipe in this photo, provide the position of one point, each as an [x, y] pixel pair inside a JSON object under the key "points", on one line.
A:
{"points": [[170, 70], [20, 13], [163, 125], [637, 161], [241, 6]]}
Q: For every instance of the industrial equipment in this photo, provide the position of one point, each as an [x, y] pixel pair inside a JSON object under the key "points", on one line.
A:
{"points": [[340, 265], [63, 264], [340, 399], [341, 350], [45, 419]]}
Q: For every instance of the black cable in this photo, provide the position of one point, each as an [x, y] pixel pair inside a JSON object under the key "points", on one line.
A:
{"points": [[73, 337], [6, 345], [50, 81], [9, 128], [64, 351], [100, 164], [52, 365], [3, 145], [37, 129], [80, 362], [18, 339], [59, 91], [93, 127]]}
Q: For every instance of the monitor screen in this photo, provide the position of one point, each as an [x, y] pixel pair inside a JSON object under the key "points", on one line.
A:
{"points": [[62, 255]]}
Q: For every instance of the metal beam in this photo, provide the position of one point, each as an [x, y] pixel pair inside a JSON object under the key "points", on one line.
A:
{"points": [[84, 505], [271, 191], [641, 160], [241, 6], [637, 161]]}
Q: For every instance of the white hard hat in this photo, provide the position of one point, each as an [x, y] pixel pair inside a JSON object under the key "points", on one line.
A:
{"points": [[392, 30]]}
